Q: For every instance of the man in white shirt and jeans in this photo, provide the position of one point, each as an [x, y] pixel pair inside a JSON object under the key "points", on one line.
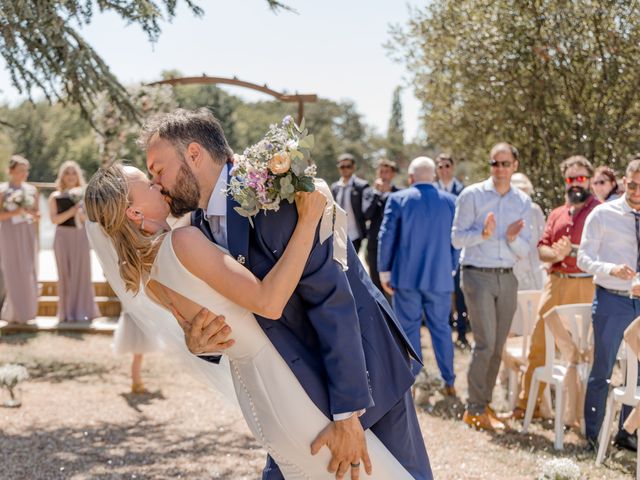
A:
{"points": [[610, 250]]}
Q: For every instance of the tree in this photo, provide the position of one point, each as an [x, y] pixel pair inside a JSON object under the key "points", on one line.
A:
{"points": [[44, 51], [555, 78], [395, 132]]}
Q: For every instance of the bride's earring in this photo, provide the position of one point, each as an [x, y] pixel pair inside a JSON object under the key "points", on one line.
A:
{"points": [[142, 222]]}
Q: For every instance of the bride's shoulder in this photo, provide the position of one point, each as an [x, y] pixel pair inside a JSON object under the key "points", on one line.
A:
{"points": [[188, 241]]}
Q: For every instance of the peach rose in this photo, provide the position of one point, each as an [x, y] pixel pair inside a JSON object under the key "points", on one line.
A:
{"points": [[280, 163]]}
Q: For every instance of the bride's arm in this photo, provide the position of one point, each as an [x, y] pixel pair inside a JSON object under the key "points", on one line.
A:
{"points": [[268, 297]]}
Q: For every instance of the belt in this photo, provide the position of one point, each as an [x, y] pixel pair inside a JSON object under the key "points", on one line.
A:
{"points": [[620, 293], [571, 275], [489, 269]]}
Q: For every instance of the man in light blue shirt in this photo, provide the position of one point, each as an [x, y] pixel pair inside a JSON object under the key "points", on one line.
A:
{"points": [[492, 227]]}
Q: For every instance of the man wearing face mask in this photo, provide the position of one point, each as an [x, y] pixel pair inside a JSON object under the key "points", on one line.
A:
{"points": [[558, 246], [610, 250]]}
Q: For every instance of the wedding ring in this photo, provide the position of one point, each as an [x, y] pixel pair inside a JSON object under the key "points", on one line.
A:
{"points": [[355, 465]]}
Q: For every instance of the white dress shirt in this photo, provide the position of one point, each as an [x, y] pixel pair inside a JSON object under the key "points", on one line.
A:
{"points": [[446, 187], [345, 191], [609, 239], [217, 207]]}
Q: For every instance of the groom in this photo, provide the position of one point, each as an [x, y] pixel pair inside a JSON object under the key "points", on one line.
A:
{"points": [[337, 333]]}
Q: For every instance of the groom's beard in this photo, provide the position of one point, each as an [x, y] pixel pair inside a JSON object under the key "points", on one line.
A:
{"points": [[185, 197]]}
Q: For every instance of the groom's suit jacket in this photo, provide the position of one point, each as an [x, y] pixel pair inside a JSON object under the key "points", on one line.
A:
{"points": [[337, 333]]}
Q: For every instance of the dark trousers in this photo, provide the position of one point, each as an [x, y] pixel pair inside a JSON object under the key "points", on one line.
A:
{"points": [[612, 314], [461, 322], [399, 431], [356, 244]]}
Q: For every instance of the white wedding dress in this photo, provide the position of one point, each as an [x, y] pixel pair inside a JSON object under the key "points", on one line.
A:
{"points": [[276, 408]]}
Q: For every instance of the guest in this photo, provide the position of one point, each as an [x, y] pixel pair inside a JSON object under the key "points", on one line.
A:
{"points": [[528, 270], [604, 184], [566, 283], [18, 243], [71, 246], [373, 205], [610, 250], [449, 183], [417, 268], [129, 338], [446, 179], [489, 227], [348, 192]]}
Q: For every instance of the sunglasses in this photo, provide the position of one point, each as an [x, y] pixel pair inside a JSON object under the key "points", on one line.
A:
{"points": [[577, 179], [600, 182], [497, 163], [632, 186], [443, 166], [345, 167]]}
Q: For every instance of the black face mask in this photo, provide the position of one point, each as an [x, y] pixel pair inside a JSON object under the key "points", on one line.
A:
{"points": [[577, 195]]}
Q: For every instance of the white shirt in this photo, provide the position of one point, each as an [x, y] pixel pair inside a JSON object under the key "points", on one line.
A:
{"points": [[609, 239], [448, 187], [345, 190], [217, 206]]}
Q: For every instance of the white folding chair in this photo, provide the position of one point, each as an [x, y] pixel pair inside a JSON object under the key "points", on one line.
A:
{"points": [[576, 319], [628, 394], [516, 347]]}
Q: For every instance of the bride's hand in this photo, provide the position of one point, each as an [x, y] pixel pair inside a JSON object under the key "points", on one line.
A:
{"points": [[310, 206]]}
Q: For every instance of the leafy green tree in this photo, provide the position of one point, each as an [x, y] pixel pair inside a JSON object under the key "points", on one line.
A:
{"points": [[554, 78], [41, 44], [395, 132]]}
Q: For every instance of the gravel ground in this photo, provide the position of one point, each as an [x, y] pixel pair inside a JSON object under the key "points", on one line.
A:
{"points": [[79, 421]]}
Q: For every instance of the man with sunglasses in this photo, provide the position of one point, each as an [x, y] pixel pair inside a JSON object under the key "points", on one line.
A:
{"points": [[610, 250], [558, 247], [492, 226], [449, 183], [348, 192]]}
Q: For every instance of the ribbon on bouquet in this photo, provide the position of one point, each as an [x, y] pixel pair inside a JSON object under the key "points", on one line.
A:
{"points": [[333, 222]]}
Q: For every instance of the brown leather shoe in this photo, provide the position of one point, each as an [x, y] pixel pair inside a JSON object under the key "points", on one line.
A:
{"points": [[482, 421], [449, 391], [501, 417], [518, 413]]}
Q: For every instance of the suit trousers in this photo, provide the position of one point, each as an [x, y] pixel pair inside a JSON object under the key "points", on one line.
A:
{"points": [[556, 291], [491, 299], [461, 308], [612, 314], [409, 306]]}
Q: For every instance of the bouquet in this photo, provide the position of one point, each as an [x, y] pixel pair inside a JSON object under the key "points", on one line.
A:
{"points": [[273, 169], [76, 194], [18, 198], [10, 376]]}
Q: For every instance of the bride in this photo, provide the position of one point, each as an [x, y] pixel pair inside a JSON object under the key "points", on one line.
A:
{"points": [[183, 270]]}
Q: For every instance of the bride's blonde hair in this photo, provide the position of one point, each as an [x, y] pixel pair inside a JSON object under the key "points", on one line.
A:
{"points": [[106, 201]]}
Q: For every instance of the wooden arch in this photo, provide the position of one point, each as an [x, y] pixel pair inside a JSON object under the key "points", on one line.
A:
{"points": [[300, 99]]}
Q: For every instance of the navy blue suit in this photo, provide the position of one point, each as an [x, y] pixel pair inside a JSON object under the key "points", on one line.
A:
{"points": [[337, 333], [415, 246]]}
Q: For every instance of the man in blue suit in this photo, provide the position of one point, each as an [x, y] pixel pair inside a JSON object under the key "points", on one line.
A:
{"points": [[417, 262], [337, 333]]}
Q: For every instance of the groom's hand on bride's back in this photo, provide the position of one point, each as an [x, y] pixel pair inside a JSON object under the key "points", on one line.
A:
{"points": [[205, 333], [346, 440]]}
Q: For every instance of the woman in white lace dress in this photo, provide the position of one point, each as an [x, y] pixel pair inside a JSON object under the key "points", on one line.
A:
{"points": [[185, 271]]}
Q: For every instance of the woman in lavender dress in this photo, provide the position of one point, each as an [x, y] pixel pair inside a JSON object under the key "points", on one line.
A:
{"points": [[18, 243], [71, 246]]}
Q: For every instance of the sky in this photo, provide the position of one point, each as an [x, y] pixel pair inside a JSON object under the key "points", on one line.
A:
{"points": [[333, 48]]}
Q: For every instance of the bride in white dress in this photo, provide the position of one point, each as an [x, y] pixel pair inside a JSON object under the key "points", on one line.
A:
{"points": [[185, 271]]}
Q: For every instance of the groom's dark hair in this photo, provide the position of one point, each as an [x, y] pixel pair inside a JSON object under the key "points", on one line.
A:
{"points": [[182, 127]]}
